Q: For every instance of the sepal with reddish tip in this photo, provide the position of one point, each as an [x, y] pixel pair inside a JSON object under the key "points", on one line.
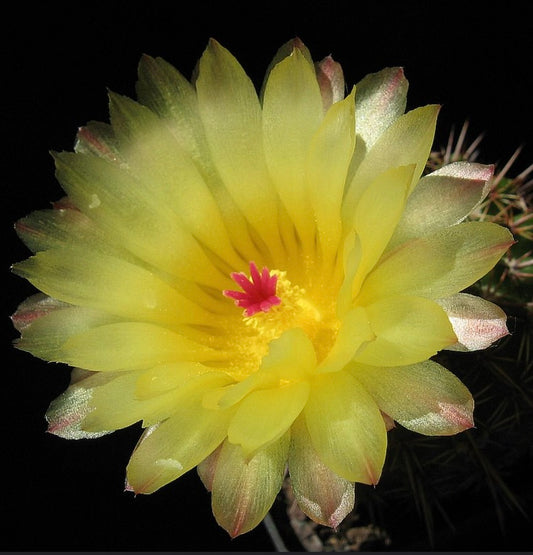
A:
{"points": [[477, 323], [330, 79], [322, 495]]}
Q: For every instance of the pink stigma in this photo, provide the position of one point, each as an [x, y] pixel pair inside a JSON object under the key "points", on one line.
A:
{"points": [[258, 291]]}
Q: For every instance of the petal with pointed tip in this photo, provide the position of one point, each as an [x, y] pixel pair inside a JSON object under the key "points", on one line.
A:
{"points": [[383, 201], [46, 330], [324, 496], [79, 275], [66, 413], [292, 112], [231, 115], [264, 416], [381, 99], [346, 427], [424, 397], [477, 322], [206, 469], [407, 330], [406, 141], [176, 445], [130, 346], [327, 165], [446, 262], [245, 488], [443, 198], [330, 79]]}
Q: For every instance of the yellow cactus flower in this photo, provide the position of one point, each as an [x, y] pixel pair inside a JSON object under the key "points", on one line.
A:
{"points": [[260, 279]]}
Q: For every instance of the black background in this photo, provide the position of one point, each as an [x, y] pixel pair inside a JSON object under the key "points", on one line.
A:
{"points": [[57, 62]]}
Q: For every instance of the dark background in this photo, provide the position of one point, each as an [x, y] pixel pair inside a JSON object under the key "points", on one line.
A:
{"points": [[57, 62]]}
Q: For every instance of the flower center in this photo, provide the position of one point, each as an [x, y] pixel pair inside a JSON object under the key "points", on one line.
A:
{"points": [[258, 291], [272, 305]]}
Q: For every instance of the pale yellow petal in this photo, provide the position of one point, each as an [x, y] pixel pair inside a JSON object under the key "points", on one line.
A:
{"points": [[79, 275], [165, 377], [118, 202], [377, 215], [355, 330], [446, 262], [285, 50], [176, 445], [115, 405], [231, 115], [291, 356], [43, 335], [292, 112], [66, 413], [245, 488], [444, 197], [173, 98], [168, 172], [407, 330], [327, 165], [406, 141], [324, 496], [424, 397], [131, 345], [169, 94], [381, 99], [346, 427], [48, 229], [264, 416], [206, 469]]}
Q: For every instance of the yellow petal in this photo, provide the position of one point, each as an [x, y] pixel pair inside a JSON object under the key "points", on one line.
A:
{"points": [[285, 50], [377, 215], [346, 427], [291, 356], [132, 214], [407, 141], [173, 98], [171, 448], [265, 415], [48, 229], [292, 112], [206, 469], [324, 496], [164, 90], [114, 405], [327, 165], [407, 330], [231, 114], [245, 488], [165, 377], [424, 397], [129, 346], [44, 335], [446, 262], [443, 198], [170, 175], [354, 331], [87, 278]]}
